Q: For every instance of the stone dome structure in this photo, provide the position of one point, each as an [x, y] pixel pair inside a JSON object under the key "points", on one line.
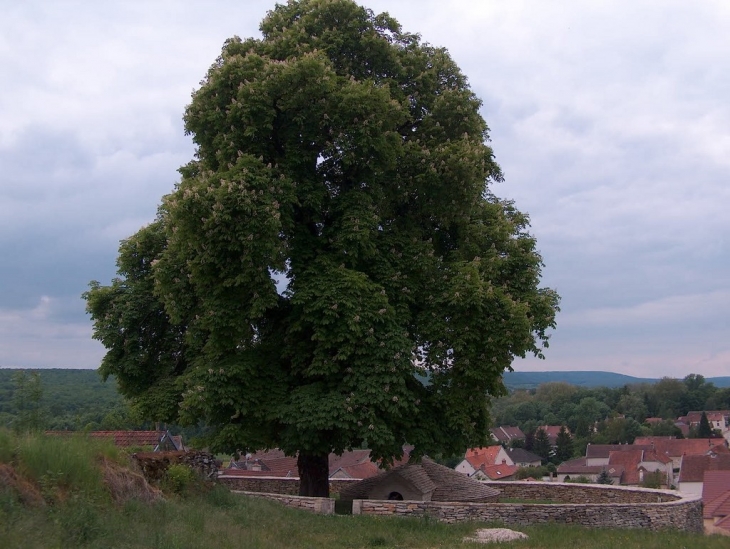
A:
{"points": [[424, 481]]}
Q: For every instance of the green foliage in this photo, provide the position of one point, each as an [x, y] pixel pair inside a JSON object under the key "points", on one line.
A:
{"points": [[594, 414], [541, 444], [704, 430], [70, 399], [604, 478], [564, 445], [665, 428], [534, 472], [652, 480], [27, 400], [63, 465], [179, 478], [7, 446], [348, 158], [581, 479]]}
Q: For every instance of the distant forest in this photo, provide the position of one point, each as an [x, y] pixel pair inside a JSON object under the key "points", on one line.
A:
{"points": [[65, 400], [78, 400]]}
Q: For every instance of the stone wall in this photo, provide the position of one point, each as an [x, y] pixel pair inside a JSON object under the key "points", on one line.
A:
{"points": [[582, 493], [586, 505], [154, 465], [596, 506], [322, 506]]}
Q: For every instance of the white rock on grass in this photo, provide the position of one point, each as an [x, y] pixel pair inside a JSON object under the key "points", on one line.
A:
{"points": [[495, 535]]}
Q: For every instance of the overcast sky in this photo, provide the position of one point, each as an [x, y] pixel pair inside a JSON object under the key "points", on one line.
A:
{"points": [[611, 121]]}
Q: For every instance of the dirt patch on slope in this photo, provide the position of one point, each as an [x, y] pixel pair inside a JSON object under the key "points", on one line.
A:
{"points": [[26, 492]]}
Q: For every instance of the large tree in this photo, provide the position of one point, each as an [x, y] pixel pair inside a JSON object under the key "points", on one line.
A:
{"points": [[332, 270]]}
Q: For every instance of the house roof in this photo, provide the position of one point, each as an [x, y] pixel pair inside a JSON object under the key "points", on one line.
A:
{"points": [[121, 438], [694, 417], [506, 433], [693, 467], [651, 455], [359, 471], [499, 472], [629, 460], [552, 432], [604, 450], [578, 466], [520, 455], [675, 447], [483, 457], [716, 494], [653, 420], [352, 464], [443, 483]]}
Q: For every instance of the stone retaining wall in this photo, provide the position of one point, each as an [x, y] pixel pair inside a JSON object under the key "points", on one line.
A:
{"points": [[595, 507], [587, 505], [322, 506], [582, 493]]}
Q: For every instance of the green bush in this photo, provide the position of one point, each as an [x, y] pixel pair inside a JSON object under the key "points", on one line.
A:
{"points": [[7, 446], [179, 479]]}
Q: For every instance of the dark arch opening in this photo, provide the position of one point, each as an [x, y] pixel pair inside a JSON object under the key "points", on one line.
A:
{"points": [[395, 496]]}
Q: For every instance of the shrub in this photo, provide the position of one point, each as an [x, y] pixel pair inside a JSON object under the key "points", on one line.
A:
{"points": [[179, 478], [7, 445]]}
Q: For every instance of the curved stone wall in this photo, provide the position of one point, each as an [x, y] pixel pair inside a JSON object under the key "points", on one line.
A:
{"points": [[590, 505], [587, 505]]}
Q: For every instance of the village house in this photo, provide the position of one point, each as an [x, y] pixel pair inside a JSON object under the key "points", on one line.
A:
{"points": [[694, 467], [577, 468], [716, 502], [158, 440], [625, 464], [719, 420], [523, 458], [552, 432], [506, 435], [476, 460], [675, 448]]}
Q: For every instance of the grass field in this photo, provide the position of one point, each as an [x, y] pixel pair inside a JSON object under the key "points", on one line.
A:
{"points": [[73, 509], [221, 520]]}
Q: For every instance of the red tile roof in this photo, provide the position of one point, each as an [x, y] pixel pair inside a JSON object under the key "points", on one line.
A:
{"points": [[676, 447], [694, 467], [497, 472], [506, 433], [482, 457], [629, 460], [716, 494], [121, 438], [604, 450], [359, 471], [651, 455]]}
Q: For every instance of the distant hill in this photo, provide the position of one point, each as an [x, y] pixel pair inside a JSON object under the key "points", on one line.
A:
{"points": [[530, 380]]}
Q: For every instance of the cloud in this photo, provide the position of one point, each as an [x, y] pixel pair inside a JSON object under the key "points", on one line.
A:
{"points": [[42, 336], [609, 120]]}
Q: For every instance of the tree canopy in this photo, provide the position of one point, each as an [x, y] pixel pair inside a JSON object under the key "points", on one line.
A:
{"points": [[332, 269]]}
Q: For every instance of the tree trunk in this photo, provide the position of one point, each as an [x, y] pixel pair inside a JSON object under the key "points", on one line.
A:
{"points": [[314, 473]]}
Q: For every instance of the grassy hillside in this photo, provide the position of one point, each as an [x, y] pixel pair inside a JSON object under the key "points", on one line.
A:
{"points": [[61, 492]]}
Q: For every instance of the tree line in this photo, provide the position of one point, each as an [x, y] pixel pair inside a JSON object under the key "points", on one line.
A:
{"points": [[603, 415]]}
